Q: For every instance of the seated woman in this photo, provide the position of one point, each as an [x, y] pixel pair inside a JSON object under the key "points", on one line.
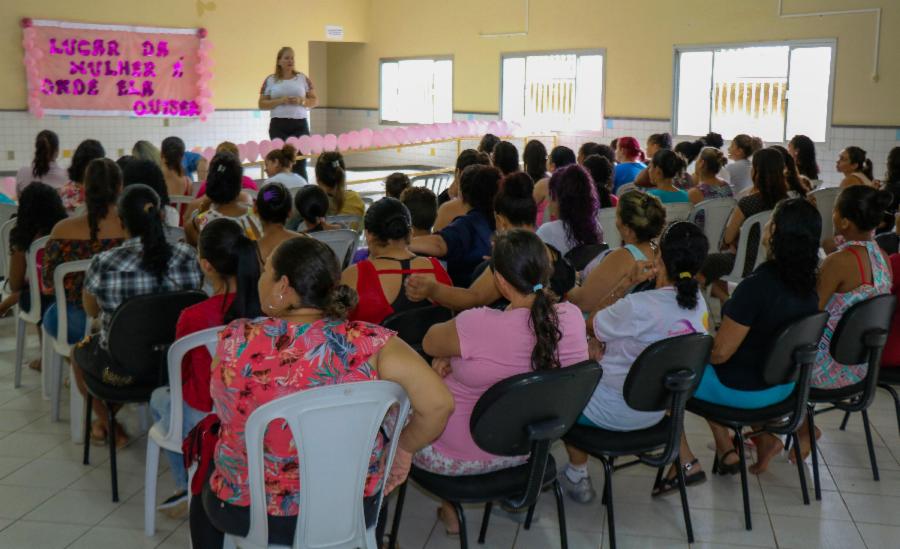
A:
{"points": [[534, 160], [706, 171], [740, 175], [856, 167], [73, 192], [273, 207], [769, 187], [379, 280], [223, 190], [573, 201], [778, 292], [601, 170], [247, 183], [40, 209], [331, 177], [172, 155], [560, 157], [483, 346], [279, 163], [639, 218], [148, 173], [43, 167], [395, 184], [630, 160], [803, 150], [82, 237], [797, 186], [514, 208], [311, 204], [300, 289], [664, 167], [624, 329], [467, 240], [145, 263], [655, 143], [230, 265], [455, 207], [505, 157]]}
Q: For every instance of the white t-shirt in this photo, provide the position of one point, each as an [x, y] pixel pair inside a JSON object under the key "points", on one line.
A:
{"points": [[288, 179], [298, 86], [56, 177], [629, 326], [554, 233], [739, 176]]}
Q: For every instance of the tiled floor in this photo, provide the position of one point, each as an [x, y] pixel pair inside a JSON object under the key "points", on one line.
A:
{"points": [[48, 499]]}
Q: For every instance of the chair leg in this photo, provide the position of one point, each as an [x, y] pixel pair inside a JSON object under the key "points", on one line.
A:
{"points": [[607, 496], [561, 515], [739, 443], [485, 520], [87, 427], [811, 422], [54, 365], [896, 398], [398, 511], [529, 517], [461, 515], [151, 472], [800, 468], [20, 352], [111, 438], [868, 430], [682, 487], [844, 421]]}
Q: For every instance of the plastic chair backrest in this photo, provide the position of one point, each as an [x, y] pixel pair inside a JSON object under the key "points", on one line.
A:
{"points": [[501, 418], [781, 365], [143, 327], [607, 219], [860, 323], [825, 199], [177, 199], [889, 242], [32, 272], [5, 231], [339, 426], [645, 386], [715, 216], [435, 182], [744, 252], [412, 325], [7, 211], [204, 338], [345, 220], [61, 337], [678, 211], [340, 241]]}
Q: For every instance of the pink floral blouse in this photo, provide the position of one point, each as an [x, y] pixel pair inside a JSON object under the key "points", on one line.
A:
{"points": [[264, 359]]}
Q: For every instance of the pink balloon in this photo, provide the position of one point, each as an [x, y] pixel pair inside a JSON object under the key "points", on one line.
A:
{"points": [[389, 138], [377, 140], [366, 137], [304, 145], [329, 142], [265, 147], [252, 151], [401, 136], [316, 143], [293, 141], [208, 153], [354, 140], [343, 142], [278, 142], [8, 186], [242, 151]]}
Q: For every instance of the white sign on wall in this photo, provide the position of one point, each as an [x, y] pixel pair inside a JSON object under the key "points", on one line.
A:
{"points": [[334, 32]]}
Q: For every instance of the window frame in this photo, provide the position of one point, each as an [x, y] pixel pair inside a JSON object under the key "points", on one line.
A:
{"points": [[576, 51], [791, 44], [383, 60]]}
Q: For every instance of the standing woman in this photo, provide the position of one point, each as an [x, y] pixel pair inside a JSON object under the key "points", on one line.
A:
{"points": [[44, 167], [289, 95], [172, 156]]}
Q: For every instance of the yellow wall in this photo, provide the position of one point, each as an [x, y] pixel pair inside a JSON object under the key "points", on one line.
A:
{"points": [[246, 35], [638, 36]]}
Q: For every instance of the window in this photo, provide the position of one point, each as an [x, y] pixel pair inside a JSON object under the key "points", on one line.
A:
{"points": [[554, 91], [772, 91], [417, 91]]}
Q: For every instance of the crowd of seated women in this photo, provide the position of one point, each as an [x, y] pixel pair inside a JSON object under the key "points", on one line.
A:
{"points": [[493, 249]]}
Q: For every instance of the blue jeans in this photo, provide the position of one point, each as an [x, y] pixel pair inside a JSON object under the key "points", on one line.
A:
{"points": [[160, 407], [712, 390], [75, 318]]}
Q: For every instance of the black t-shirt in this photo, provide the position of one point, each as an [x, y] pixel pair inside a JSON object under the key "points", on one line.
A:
{"points": [[762, 302]]}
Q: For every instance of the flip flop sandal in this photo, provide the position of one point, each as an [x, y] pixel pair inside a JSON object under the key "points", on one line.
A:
{"points": [[724, 469], [669, 485]]}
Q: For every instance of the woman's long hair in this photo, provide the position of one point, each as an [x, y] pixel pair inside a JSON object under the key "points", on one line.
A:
{"points": [[794, 244], [233, 255], [86, 152], [534, 158], [573, 190], [141, 214], [521, 258], [806, 156], [332, 173], [683, 249], [46, 147], [40, 208], [314, 273], [102, 185], [768, 176], [283, 50]]}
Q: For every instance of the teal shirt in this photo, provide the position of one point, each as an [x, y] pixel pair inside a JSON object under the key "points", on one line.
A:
{"points": [[670, 197]]}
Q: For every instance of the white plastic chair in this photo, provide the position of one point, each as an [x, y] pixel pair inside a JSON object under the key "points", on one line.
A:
{"points": [[627, 187], [346, 220], [341, 241], [436, 182], [55, 347], [677, 211], [7, 211], [334, 429], [176, 200], [5, 230], [169, 436], [825, 199], [34, 315], [607, 219], [759, 220], [715, 216]]}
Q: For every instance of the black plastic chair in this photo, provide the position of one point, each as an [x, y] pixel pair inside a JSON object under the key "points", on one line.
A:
{"points": [[140, 333], [662, 378], [790, 359], [412, 325], [580, 256], [889, 242], [887, 378], [859, 338], [521, 415]]}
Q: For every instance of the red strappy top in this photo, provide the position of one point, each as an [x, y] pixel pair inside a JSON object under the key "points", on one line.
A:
{"points": [[373, 306]]}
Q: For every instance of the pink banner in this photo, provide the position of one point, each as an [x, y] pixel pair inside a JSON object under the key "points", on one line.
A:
{"points": [[88, 69]]}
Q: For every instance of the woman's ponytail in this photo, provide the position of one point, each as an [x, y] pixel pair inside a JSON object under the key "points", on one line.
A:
{"points": [[332, 172], [683, 248], [140, 211], [102, 182], [867, 169], [544, 320], [46, 147], [232, 255]]}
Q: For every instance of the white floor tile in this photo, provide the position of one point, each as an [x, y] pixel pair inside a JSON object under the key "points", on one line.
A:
{"points": [[47, 473], [879, 536], [46, 535], [788, 502], [16, 501], [103, 537], [860, 481], [874, 509], [29, 445], [794, 532], [70, 506], [852, 455]]}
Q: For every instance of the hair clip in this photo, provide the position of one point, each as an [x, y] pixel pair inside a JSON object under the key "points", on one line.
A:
{"points": [[684, 275], [220, 168], [537, 287], [269, 195], [335, 164]]}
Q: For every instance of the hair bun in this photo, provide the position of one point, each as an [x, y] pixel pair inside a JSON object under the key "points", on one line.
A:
{"points": [[341, 301], [397, 227], [516, 186]]}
